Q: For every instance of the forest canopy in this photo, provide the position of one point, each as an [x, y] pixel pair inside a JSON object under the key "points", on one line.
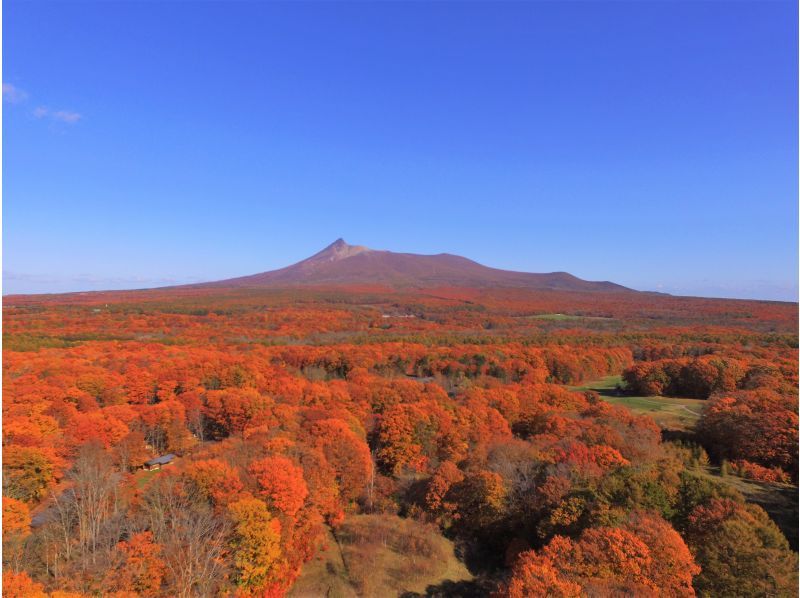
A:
{"points": [[188, 442]]}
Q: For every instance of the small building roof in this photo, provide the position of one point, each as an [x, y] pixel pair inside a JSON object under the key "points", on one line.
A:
{"points": [[162, 460]]}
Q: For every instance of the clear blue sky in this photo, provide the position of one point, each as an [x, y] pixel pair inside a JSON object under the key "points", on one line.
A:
{"points": [[649, 143]]}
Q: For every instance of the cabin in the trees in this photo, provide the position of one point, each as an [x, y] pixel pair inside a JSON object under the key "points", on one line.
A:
{"points": [[159, 462]]}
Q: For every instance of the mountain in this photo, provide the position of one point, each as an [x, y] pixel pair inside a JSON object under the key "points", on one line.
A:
{"points": [[343, 264]]}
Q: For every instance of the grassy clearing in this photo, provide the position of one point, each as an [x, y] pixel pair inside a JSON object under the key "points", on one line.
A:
{"points": [[779, 500], [325, 574], [144, 476], [668, 412], [554, 317], [564, 317], [380, 555], [387, 555]]}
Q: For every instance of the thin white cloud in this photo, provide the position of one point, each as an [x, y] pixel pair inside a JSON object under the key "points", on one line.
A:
{"points": [[64, 116], [13, 94]]}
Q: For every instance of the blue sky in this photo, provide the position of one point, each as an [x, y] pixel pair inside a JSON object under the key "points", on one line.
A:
{"points": [[649, 143]]}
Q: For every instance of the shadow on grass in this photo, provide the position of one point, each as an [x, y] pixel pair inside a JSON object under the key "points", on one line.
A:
{"points": [[475, 588]]}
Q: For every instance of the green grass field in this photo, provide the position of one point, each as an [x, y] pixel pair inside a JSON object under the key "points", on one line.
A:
{"points": [[668, 412], [555, 317]]}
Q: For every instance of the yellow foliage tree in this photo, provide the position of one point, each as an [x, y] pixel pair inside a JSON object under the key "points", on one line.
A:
{"points": [[255, 543]]}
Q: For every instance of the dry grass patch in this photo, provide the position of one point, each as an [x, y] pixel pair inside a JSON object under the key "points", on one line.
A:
{"points": [[388, 556]]}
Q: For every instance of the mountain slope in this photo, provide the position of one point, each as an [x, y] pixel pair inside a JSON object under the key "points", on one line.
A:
{"points": [[343, 264]]}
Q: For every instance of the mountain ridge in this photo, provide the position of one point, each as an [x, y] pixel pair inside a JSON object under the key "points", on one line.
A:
{"points": [[343, 264]]}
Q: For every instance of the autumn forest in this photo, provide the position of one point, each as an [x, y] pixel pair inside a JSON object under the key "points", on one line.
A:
{"points": [[559, 360], [368, 441]]}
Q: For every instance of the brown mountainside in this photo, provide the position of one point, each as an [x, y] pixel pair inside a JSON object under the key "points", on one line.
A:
{"points": [[343, 264]]}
